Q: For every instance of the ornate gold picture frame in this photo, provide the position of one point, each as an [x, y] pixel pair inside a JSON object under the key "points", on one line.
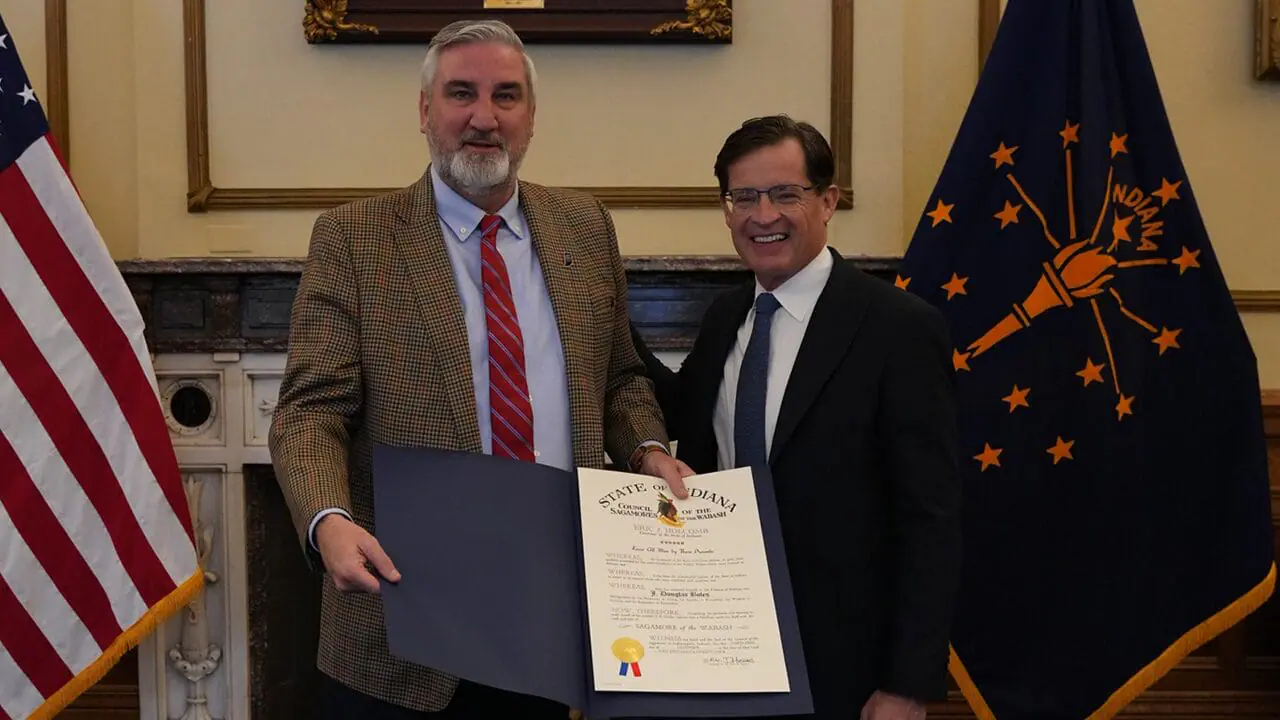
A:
{"points": [[537, 21]]}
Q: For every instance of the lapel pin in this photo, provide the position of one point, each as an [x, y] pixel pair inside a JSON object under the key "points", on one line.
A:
{"points": [[568, 258]]}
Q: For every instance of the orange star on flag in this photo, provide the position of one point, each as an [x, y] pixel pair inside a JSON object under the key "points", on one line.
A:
{"points": [[1017, 398], [900, 282], [942, 213], [1168, 191], [1124, 407], [1061, 450], [1167, 339], [1120, 228], [955, 286], [1117, 144], [1070, 134], [1187, 260], [989, 456], [1091, 373], [960, 360], [1008, 215], [1003, 155]]}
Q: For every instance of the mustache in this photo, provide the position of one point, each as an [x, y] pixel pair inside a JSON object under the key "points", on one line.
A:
{"points": [[485, 138]]}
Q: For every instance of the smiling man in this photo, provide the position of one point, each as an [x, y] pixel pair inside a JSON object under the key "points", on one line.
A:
{"points": [[471, 311], [840, 384]]}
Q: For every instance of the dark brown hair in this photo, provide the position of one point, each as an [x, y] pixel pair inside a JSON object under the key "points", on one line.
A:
{"points": [[756, 133]]}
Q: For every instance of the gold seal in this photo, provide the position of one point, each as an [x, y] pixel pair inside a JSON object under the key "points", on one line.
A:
{"points": [[627, 650]]}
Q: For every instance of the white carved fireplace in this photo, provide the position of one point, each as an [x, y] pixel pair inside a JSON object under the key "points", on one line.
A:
{"points": [[218, 407]]}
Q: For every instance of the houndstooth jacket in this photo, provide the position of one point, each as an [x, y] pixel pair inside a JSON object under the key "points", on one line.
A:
{"points": [[378, 354]]}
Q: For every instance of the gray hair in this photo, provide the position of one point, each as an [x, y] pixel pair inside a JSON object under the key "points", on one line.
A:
{"points": [[472, 31]]}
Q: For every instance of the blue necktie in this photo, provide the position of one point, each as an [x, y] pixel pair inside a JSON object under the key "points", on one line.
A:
{"points": [[753, 382]]}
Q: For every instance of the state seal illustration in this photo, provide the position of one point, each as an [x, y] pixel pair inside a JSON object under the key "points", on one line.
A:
{"points": [[668, 513]]}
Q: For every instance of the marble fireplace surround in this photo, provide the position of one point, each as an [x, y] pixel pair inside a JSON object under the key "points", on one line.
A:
{"points": [[218, 328]]}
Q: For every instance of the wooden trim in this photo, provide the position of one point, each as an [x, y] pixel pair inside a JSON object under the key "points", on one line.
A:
{"points": [[212, 198], [200, 187], [1271, 405], [203, 195], [1257, 300], [106, 700], [988, 23], [842, 98], [57, 101]]}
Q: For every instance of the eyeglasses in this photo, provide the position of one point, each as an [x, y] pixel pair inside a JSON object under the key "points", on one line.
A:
{"points": [[745, 199]]}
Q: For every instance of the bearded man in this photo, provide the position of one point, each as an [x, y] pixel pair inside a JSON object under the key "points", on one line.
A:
{"points": [[471, 311]]}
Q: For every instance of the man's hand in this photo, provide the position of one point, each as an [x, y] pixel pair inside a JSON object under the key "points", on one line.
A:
{"points": [[662, 465], [885, 706], [345, 547]]}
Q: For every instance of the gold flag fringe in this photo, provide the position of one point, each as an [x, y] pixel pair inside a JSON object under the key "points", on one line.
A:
{"points": [[1156, 669], [129, 639]]}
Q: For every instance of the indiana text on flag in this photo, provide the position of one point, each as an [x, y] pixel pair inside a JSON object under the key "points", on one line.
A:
{"points": [[96, 543], [1117, 511]]}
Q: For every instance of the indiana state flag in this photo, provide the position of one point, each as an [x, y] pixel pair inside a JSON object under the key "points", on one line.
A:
{"points": [[1111, 438]]}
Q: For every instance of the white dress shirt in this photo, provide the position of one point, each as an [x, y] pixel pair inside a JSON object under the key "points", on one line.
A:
{"points": [[544, 355], [797, 296]]}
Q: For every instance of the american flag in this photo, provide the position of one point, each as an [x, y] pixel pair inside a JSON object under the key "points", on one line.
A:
{"points": [[96, 543]]}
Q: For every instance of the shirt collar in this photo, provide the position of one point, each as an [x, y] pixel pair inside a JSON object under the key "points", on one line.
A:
{"points": [[798, 295], [463, 218]]}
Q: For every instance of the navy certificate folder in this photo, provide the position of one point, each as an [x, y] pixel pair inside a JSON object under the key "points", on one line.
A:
{"points": [[492, 587]]}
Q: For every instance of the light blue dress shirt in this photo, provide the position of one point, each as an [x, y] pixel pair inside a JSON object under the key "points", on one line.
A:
{"points": [[544, 356]]}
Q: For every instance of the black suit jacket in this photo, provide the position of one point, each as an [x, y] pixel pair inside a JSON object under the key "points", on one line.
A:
{"points": [[864, 465]]}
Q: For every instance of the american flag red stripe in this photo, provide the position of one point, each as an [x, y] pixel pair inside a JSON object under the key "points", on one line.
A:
{"points": [[54, 549], [29, 647], [96, 538]]}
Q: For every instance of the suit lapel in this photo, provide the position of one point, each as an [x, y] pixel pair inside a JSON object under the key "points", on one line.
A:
{"points": [[421, 244], [572, 308], [836, 317]]}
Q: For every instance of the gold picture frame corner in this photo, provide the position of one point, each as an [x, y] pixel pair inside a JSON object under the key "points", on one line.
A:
{"points": [[198, 199]]}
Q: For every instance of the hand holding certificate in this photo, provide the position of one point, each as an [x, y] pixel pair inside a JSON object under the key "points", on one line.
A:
{"points": [[681, 584], [598, 589]]}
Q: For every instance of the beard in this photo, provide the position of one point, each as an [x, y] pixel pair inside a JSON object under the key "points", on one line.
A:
{"points": [[474, 173]]}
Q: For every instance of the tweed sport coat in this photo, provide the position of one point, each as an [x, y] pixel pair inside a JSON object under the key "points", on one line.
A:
{"points": [[378, 354]]}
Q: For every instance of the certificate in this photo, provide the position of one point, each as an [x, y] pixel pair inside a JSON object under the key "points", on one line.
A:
{"points": [[679, 596], [512, 579]]}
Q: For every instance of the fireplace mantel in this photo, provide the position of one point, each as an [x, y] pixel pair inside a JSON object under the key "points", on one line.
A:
{"points": [[242, 305]]}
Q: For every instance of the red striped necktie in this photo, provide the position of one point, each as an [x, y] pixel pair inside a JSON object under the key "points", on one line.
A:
{"points": [[510, 408]]}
